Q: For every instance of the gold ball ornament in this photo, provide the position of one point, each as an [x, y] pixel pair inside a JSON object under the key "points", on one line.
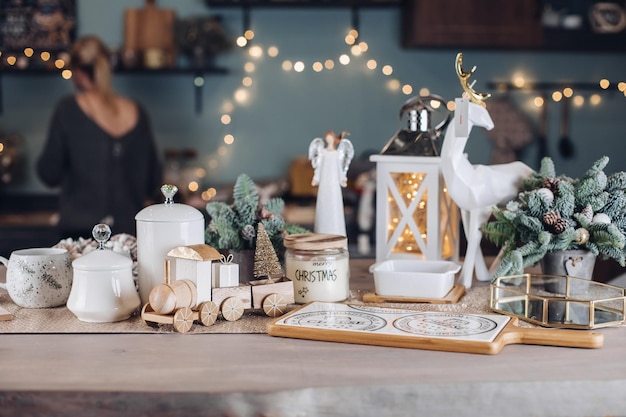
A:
{"points": [[582, 235]]}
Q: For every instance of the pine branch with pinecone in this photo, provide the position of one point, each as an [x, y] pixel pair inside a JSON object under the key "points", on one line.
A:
{"points": [[558, 213]]}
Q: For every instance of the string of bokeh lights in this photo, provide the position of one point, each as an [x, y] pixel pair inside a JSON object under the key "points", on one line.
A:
{"points": [[357, 49], [241, 95]]}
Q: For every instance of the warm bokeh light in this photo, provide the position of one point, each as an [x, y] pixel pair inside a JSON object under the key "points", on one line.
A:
{"points": [[193, 186], [256, 51], [246, 81], [393, 85], [228, 106], [354, 33], [519, 80], [200, 172], [317, 66], [329, 64], [241, 95], [213, 164], [225, 119], [249, 34], [229, 139], [621, 86], [45, 56], [407, 89], [11, 60], [604, 83], [557, 96], [298, 66], [67, 74], [387, 70], [372, 64], [208, 194], [451, 105], [222, 151], [350, 40], [595, 99], [424, 92], [568, 92], [363, 46], [355, 50], [435, 104], [578, 101], [249, 67], [241, 41], [29, 52], [538, 101], [59, 63], [272, 51], [1, 146], [287, 65], [344, 59]]}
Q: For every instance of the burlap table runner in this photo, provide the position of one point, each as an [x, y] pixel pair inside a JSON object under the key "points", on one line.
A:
{"points": [[61, 320]]}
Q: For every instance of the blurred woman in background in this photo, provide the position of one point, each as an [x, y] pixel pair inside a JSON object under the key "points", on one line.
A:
{"points": [[100, 149]]}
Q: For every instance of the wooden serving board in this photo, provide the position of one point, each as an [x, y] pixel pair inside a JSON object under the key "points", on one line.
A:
{"points": [[445, 331], [453, 296]]}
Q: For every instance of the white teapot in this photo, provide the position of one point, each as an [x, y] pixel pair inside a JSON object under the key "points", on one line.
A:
{"points": [[160, 228], [103, 289]]}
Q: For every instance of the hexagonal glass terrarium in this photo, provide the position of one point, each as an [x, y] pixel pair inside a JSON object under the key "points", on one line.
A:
{"points": [[559, 301]]}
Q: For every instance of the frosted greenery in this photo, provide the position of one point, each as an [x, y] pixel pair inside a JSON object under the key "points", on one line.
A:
{"points": [[554, 212], [234, 226]]}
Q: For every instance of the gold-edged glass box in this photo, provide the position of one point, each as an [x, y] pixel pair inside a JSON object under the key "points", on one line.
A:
{"points": [[559, 301]]}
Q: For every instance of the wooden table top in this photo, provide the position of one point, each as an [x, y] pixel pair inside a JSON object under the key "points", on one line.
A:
{"points": [[261, 375]]}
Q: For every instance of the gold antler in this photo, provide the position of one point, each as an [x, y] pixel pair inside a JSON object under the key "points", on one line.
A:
{"points": [[474, 96]]}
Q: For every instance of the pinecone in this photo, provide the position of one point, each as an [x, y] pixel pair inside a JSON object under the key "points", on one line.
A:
{"points": [[551, 184], [560, 226], [551, 218]]}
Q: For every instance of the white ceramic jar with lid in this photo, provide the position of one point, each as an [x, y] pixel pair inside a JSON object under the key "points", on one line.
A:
{"points": [[103, 289], [160, 228]]}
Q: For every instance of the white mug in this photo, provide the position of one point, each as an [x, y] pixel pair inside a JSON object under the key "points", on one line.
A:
{"points": [[38, 277]]}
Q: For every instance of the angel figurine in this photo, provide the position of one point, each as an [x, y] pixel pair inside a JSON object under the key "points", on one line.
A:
{"points": [[330, 161]]}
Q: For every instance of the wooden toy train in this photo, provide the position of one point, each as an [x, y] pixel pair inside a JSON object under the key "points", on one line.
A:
{"points": [[202, 297]]}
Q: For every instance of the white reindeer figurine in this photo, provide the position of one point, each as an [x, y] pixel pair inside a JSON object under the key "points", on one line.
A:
{"points": [[475, 188]]}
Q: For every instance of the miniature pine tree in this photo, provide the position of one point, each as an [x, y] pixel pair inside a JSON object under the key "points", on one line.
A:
{"points": [[234, 226], [266, 263]]}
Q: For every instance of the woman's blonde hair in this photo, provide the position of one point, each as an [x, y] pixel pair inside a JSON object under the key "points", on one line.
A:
{"points": [[90, 55]]}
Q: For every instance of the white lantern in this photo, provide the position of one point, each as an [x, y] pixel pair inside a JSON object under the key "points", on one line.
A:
{"points": [[415, 216]]}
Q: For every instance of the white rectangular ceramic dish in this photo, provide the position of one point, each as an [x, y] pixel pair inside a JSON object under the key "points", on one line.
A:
{"points": [[414, 278]]}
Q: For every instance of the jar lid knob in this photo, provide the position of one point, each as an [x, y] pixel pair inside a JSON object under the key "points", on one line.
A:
{"points": [[101, 233], [169, 191]]}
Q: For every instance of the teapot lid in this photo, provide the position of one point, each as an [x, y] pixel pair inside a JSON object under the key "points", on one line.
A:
{"points": [[169, 211], [102, 259]]}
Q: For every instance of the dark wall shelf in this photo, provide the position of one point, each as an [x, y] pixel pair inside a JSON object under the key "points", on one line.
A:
{"points": [[195, 72], [303, 3], [521, 25]]}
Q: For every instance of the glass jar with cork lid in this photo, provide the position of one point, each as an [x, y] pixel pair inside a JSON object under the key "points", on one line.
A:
{"points": [[318, 266]]}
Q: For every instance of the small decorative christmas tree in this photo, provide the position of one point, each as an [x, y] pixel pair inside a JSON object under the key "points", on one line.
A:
{"points": [[234, 226], [266, 263], [554, 213]]}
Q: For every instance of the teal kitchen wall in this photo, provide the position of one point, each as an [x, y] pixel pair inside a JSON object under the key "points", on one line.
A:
{"points": [[286, 109]]}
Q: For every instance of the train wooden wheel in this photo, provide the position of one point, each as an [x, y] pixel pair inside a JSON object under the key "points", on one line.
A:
{"points": [[232, 308], [183, 320], [148, 309], [274, 305], [208, 313]]}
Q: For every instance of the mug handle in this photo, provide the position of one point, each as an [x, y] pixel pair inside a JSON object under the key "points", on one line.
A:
{"points": [[5, 262]]}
